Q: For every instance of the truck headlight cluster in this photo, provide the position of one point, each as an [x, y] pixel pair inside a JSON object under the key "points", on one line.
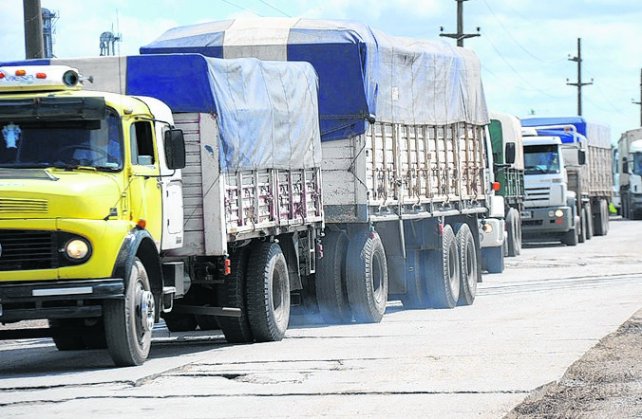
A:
{"points": [[559, 213], [77, 249]]}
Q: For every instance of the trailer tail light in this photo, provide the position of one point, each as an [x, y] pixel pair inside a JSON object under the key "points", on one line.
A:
{"points": [[21, 73], [1, 75], [496, 186], [227, 267]]}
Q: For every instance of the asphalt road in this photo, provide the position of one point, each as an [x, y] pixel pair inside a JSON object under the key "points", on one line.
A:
{"points": [[526, 327]]}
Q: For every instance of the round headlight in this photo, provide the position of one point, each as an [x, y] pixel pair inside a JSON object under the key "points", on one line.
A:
{"points": [[77, 249], [559, 213], [551, 213]]}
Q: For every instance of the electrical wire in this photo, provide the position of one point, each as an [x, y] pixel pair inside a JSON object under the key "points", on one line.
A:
{"points": [[231, 3], [274, 8], [531, 87]]}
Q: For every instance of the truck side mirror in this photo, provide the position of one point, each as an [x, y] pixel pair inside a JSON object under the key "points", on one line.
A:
{"points": [[509, 153], [175, 149], [581, 156], [625, 165]]}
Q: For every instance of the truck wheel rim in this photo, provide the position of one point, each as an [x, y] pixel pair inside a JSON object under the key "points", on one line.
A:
{"points": [[145, 310]]}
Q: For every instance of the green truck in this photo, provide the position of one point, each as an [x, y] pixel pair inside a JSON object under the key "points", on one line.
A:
{"points": [[506, 138]]}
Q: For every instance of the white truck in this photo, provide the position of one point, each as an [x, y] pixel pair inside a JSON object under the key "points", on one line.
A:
{"points": [[567, 179], [405, 158], [630, 173], [167, 190]]}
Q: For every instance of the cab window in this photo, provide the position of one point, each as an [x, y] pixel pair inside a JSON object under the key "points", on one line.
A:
{"points": [[142, 145]]}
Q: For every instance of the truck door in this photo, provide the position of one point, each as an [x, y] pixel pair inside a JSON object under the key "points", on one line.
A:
{"points": [[145, 189]]}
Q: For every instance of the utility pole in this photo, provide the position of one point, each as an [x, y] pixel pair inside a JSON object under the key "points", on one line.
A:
{"points": [[34, 46], [460, 35], [640, 102], [578, 84]]}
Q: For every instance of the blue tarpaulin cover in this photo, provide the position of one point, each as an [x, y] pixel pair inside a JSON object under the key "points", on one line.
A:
{"points": [[597, 135], [363, 74], [267, 112]]}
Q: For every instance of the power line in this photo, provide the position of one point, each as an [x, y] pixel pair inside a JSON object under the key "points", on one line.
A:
{"points": [[518, 73], [510, 35], [275, 8], [241, 7]]}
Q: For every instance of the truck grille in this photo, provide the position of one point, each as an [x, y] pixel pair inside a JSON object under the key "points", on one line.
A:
{"points": [[28, 250], [10, 205], [537, 194]]}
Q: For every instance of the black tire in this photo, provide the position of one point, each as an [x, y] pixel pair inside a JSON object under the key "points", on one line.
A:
{"points": [[207, 322], [89, 334], [268, 292], [570, 237], [416, 296], [468, 265], [63, 340], [606, 215], [180, 322], [581, 234], [330, 280], [367, 277], [493, 259], [232, 294], [443, 267], [589, 222], [599, 222], [129, 321], [513, 230]]}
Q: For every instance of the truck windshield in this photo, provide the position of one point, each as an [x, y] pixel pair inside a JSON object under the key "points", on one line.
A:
{"points": [[64, 144], [541, 159]]}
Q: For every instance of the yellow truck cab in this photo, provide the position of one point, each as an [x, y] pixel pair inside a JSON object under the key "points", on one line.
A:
{"points": [[82, 175]]}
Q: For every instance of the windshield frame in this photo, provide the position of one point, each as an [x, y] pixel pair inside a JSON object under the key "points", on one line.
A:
{"points": [[64, 143], [542, 159]]}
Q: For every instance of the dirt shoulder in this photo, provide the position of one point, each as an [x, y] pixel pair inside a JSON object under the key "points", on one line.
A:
{"points": [[605, 382]]}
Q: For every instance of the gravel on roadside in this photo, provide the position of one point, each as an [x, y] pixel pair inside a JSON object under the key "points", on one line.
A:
{"points": [[605, 382]]}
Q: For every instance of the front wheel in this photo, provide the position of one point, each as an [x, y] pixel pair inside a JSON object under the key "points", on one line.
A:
{"points": [[129, 321]]}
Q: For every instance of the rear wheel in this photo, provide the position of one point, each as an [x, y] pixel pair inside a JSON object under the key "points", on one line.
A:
{"points": [[367, 277], [468, 265], [513, 228], [570, 237], [268, 292], [589, 222], [179, 322], [416, 296], [129, 321], [330, 281], [444, 283], [232, 294], [581, 234]]}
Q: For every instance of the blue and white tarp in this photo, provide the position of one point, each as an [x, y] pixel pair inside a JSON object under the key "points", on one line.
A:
{"points": [[267, 112], [597, 135], [363, 74]]}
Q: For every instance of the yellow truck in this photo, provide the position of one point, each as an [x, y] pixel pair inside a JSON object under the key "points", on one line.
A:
{"points": [[148, 198]]}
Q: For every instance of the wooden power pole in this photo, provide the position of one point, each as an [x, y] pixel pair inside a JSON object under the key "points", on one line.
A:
{"points": [[640, 102]]}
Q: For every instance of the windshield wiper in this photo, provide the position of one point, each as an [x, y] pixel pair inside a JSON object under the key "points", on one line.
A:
{"points": [[70, 166]]}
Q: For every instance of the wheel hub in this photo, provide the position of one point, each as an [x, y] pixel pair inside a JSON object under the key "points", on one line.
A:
{"points": [[146, 307]]}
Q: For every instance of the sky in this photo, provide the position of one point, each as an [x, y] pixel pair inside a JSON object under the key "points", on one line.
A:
{"points": [[524, 47]]}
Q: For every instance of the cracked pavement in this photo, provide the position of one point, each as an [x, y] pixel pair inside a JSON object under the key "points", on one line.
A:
{"points": [[526, 327]]}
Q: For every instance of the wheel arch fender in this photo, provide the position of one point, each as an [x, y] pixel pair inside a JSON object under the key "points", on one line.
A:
{"points": [[139, 243]]}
